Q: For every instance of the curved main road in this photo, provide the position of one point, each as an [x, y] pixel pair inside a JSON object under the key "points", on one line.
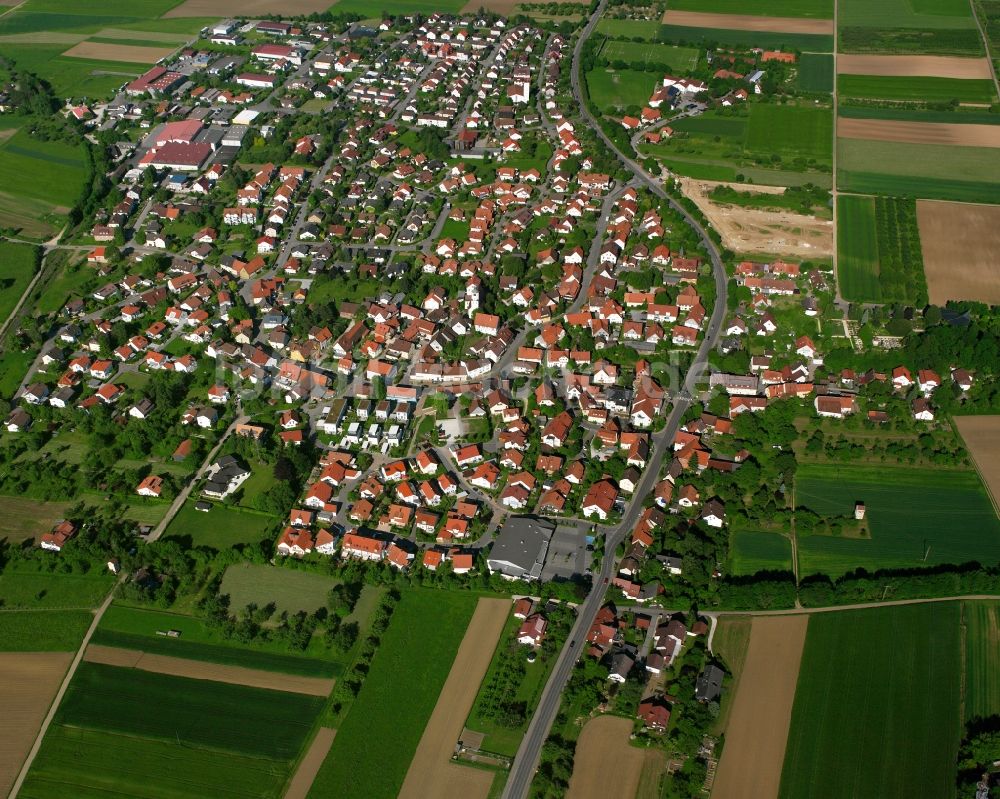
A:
{"points": [[526, 760]]}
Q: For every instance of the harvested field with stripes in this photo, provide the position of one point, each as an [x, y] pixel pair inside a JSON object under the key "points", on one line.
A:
{"points": [[910, 65], [959, 243], [118, 52], [747, 22], [920, 132]]}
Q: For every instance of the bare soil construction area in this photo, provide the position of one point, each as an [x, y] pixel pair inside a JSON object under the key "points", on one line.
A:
{"points": [[750, 230], [431, 773], [960, 242], [130, 53], [919, 132], [937, 66], [249, 8], [762, 711], [302, 781], [28, 683], [199, 670], [605, 764], [982, 436], [748, 22]]}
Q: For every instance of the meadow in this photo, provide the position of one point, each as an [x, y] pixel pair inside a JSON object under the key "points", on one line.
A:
{"points": [[50, 171], [628, 28], [220, 528], [916, 114], [752, 551], [612, 89], [201, 713], [397, 697], [917, 517], [815, 73], [289, 589], [857, 249], [876, 708], [932, 171], [791, 132], [679, 58], [43, 630], [22, 586], [938, 14], [17, 266], [426, 7], [136, 628], [809, 9], [981, 627], [902, 41], [808, 42], [924, 89]]}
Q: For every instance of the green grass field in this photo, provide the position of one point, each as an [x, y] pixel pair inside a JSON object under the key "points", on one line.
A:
{"points": [[910, 114], [425, 7], [201, 713], [612, 89], [982, 659], [220, 528], [815, 73], [770, 40], [813, 9], [933, 14], [876, 710], [289, 589], [397, 698], [73, 77], [23, 587], [932, 90], [43, 630], [935, 171], [755, 550], [918, 517], [958, 42], [679, 58], [136, 628], [628, 28], [49, 171], [791, 131], [857, 249], [17, 267]]}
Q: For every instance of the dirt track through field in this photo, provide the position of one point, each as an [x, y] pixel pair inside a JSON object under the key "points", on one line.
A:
{"points": [[960, 242], [130, 53], [748, 22], [982, 437], [251, 8], [908, 66], [199, 670], [762, 710], [605, 765], [919, 132], [751, 230], [432, 775], [302, 781], [28, 682]]}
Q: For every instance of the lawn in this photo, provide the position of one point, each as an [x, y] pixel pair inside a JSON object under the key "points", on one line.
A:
{"points": [[137, 628], [23, 587], [50, 171], [756, 550], [17, 266], [982, 659], [931, 90], [43, 630], [91, 764], [612, 89], [681, 59], [857, 249], [768, 40], [876, 710], [812, 9], [934, 171], [815, 73], [201, 713], [917, 517], [376, 741], [220, 528], [289, 589]]}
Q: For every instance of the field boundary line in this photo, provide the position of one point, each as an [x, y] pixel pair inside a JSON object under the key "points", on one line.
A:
{"points": [[986, 44]]}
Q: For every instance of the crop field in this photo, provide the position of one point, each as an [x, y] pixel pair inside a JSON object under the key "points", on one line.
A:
{"points": [[943, 14], [612, 89], [43, 630], [911, 114], [791, 131], [137, 628], [917, 517], [28, 684], [605, 740], [899, 41], [931, 171], [249, 721], [812, 9], [397, 698], [17, 267], [900, 262], [981, 631], [761, 711], [628, 28], [48, 171], [754, 551], [960, 242], [885, 683], [982, 434], [748, 22], [857, 249], [924, 89], [22, 587], [365, 8], [678, 58], [746, 37], [73, 77], [220, 528], [815, 72]]}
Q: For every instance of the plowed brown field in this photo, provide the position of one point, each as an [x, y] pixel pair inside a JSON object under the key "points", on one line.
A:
{"points": [[938, 66], [118, 52], [982, 437], [960, 242], [605, 765], [748, 22], [919, 132]]}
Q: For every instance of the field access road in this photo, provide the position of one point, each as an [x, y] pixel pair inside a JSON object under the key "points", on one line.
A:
{"points": [[526, 761]]}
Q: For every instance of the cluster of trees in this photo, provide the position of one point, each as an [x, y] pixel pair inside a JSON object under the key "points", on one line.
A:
{"points": [[901, 263], [801, 199], [349, 687], [498, 700], [926, 447], [979, 750]]}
